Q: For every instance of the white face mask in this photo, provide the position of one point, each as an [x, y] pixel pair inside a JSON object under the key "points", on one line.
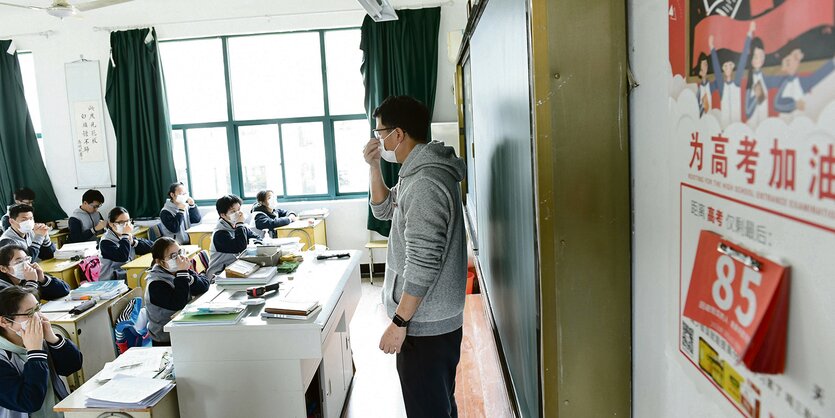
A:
{"points": [[387, 155], [120, 229], [23, 326], [182, 198], [273, 202], [172, 265], [233, 217], [18, 270], [27, 226]]}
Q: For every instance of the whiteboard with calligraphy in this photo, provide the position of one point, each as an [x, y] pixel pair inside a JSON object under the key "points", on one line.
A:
{"points": [[89, 146]]}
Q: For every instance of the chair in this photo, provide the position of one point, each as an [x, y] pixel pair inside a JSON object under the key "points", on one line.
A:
{"points": [[372, 245]]}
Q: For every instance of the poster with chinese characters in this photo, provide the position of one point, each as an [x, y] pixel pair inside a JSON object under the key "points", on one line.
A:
{"points": [[87, 112], [89, 144], [752, 117]]}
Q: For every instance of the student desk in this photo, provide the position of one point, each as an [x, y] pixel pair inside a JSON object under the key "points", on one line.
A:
{"points": [[92, 332], [268, 368], [201, 235], [66, 270], [141, 232], [59, 237], [136, 269], [73, 406], [310, 233]]}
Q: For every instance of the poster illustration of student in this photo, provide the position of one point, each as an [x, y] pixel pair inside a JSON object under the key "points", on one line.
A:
{"points": [[752, 120]]}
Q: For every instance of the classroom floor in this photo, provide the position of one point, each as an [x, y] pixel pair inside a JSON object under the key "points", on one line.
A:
{"points": [[375, 391]]}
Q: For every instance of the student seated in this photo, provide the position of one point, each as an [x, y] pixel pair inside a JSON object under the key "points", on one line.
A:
{"points": [[175, 220], [25, 232], [22, 196], [17, 269], [32, 357], [267, 214], [170, 286], [118, 245], [86, 223], [230, 237]]}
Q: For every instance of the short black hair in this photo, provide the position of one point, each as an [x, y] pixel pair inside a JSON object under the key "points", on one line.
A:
{"points": [[24, 193], [225, 202], [262, 195], [159, 247], [10, 299], [91, 196], [406, 113], [115, 213], [173, 187], [17, 209], [7, 253]]}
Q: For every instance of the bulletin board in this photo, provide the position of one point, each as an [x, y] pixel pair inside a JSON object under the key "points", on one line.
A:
{"points": [[755, 163], [87, 125]]}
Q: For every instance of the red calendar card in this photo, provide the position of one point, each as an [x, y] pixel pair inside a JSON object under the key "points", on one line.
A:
{"points": [[744, 298]]}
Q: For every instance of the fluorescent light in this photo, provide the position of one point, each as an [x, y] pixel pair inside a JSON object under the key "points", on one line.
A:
{"points": [[379, 10]]}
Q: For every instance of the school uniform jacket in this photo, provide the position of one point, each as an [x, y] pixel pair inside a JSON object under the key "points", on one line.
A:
{"points": [[83, 226], [227, 243], [54, 288], [175, 222], [167, 293], [39, 248], [116, 251]]}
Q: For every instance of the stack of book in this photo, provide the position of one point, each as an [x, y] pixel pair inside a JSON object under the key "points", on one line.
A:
{"points": [[127, 392], [104, 290], [210, 313], [77, 249], [261, 276], [291, 309]]}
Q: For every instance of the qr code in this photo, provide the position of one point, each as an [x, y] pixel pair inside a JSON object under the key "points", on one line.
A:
{"points": [[687, 337]]}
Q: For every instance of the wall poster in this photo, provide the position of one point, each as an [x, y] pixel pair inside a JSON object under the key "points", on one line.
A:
{"points": [[752, 108]]}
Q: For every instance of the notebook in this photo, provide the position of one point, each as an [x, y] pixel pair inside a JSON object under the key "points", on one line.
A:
{"points": [[290, 307], [241, 268]]}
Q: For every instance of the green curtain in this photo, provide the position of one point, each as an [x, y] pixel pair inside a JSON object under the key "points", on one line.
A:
{"points": [[21, 164], [399, 58], [138, 108]]}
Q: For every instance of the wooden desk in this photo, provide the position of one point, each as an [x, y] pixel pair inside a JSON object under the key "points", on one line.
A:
{"points": [[201, 235], [92, 332], [73, 406], [66, 270], [137, 269], [141, 232], [310, 234], [59, 238], [266, 367]]}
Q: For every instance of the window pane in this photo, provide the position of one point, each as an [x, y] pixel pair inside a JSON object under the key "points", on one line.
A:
{"points": [[178, 144], [304, 158], [30, 88], [276, 76], [350, 137], [260, 159], [209, 159], [344, 57], [194, 80]]}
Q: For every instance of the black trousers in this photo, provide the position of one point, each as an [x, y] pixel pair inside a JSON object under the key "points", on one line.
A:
{"points": [[426, 366]]}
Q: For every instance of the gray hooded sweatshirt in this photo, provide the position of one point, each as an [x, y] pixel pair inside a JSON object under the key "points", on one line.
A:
{"points": [[427, 251]]}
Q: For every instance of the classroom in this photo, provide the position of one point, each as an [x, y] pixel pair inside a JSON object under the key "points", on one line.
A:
{"points": [[417, 208]]}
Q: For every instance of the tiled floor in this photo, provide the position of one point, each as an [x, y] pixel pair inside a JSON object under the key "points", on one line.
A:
{"points": [[376, 388]]}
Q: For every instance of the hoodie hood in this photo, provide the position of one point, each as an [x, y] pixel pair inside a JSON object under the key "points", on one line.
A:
{"points": [[436, 155]]}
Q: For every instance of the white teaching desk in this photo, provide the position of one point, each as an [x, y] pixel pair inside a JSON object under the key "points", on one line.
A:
{"points": [[272, 367]]}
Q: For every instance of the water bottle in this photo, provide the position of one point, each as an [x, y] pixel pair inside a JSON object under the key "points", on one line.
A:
{"points": [[251, 248]]}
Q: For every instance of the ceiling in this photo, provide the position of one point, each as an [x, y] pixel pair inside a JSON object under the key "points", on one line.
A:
{"points": [[148, 12]]}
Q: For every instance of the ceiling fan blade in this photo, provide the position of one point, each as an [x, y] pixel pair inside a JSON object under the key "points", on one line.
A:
{"points": [[22, 6], [83, 7]]}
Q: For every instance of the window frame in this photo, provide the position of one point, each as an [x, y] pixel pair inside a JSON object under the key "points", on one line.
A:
{"points": [[232, 128], [38, 134]]}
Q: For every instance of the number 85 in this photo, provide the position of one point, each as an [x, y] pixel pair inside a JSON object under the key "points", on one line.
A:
{"points": [[723, 294]]}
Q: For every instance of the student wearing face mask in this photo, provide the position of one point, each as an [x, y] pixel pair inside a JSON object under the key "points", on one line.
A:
{"points": [[32, 357], [170, 286], [118, 245], [86, 223], [17, 269], [25, 232], [178, 213], [22, 196], [267, 214], [230, 237]]}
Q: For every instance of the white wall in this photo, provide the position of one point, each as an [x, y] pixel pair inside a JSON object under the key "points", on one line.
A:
{"points": [[663, 385], [72, 38]]}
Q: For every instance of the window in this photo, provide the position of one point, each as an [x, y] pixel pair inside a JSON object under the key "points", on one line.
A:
{"points": [[30, 91], [280, 111]]}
